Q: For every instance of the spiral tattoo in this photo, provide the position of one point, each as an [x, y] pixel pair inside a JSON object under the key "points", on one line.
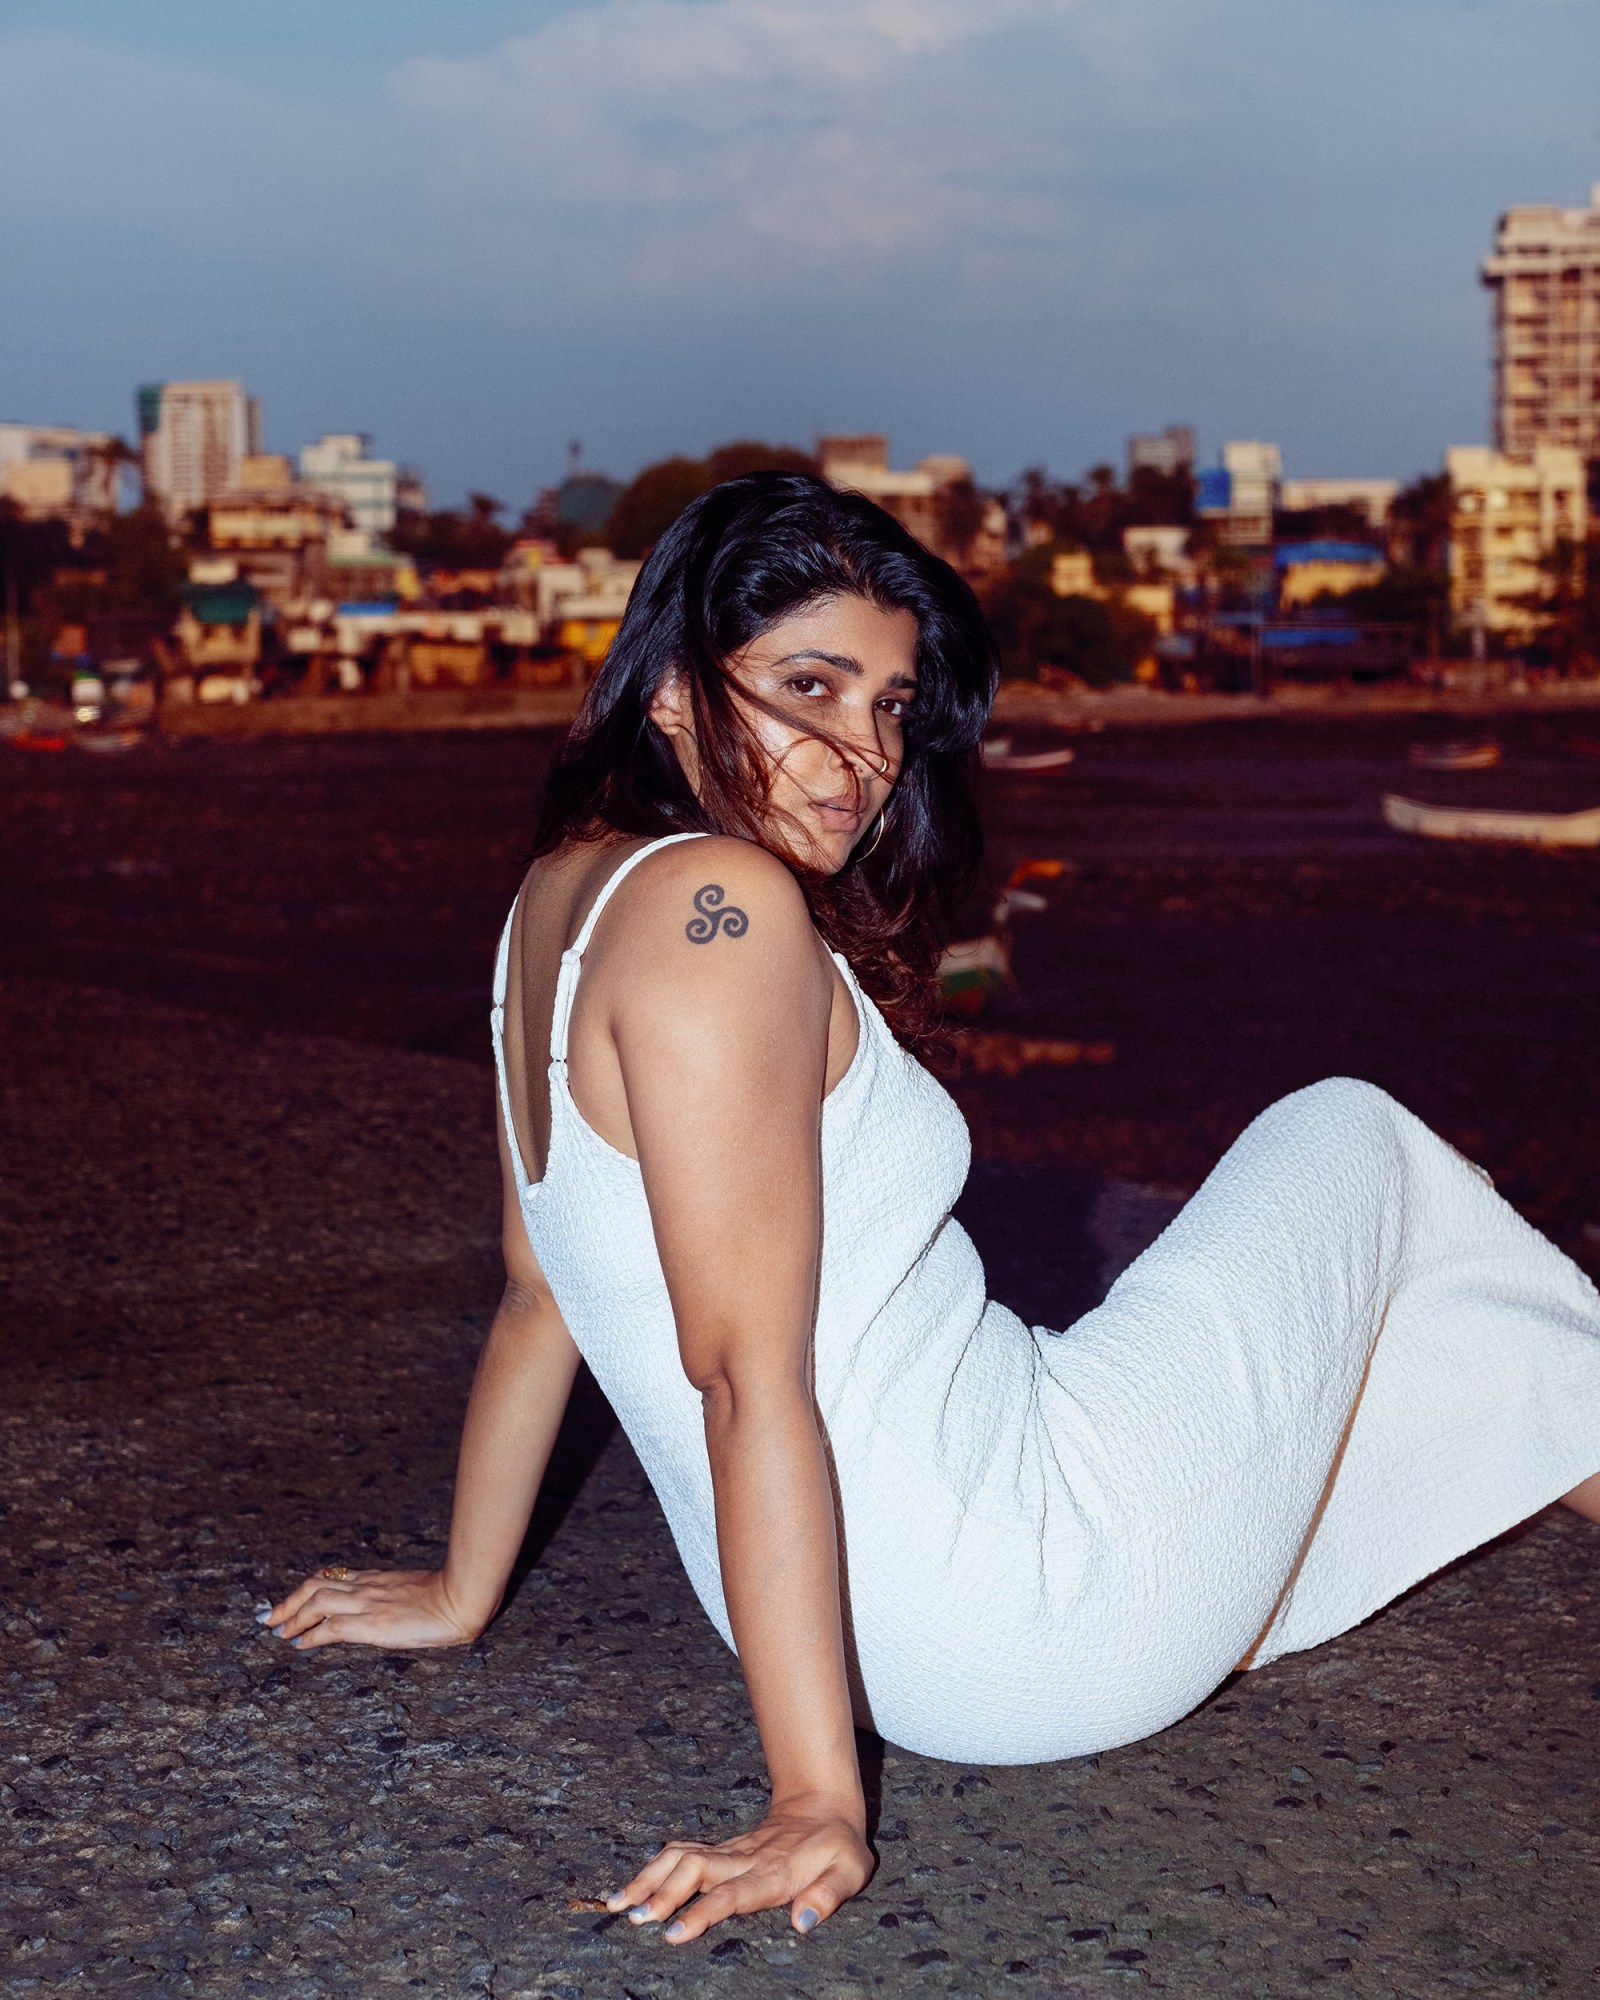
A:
{"points": [[712, 918]]}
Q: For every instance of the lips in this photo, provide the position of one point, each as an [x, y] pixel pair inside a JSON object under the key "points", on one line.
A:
{"points": [[843, 813]]}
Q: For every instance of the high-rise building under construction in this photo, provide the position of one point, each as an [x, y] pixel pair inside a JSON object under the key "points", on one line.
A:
{"points": [[1545, 277]]}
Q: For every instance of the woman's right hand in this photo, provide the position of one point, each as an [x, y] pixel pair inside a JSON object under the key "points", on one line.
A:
{"points": [[399, 1608], [810, 1854]]}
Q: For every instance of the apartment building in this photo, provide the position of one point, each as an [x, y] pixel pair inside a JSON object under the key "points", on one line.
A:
{"points": [[195, 436], [338, 464], [1545, 279], [1506, 515]]}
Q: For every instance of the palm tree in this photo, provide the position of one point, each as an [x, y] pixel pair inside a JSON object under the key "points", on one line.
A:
{"points": [[107, 457]]}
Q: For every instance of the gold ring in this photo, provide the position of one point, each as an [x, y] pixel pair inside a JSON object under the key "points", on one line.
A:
{"points": [[337, 1573]]}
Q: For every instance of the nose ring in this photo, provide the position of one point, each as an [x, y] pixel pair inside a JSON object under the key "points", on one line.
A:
{"points": [[883, 768]]}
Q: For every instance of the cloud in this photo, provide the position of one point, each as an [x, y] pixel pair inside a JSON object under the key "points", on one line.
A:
{"points": [[1019, 227], [781, 137]]}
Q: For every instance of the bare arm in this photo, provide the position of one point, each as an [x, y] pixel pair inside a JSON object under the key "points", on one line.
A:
{"points": [[524, 1377], [723, 1047]]}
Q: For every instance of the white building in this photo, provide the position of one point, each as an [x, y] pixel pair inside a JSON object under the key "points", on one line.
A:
{"points": [[1545, 277], [338, 464], [195, 435], [593, 588], [1255, 474], [1372, 497], [1157, 550], [918, 499], [860, 464], [1505, 515], [1243, 492], [1169, 452], [56, 472]]}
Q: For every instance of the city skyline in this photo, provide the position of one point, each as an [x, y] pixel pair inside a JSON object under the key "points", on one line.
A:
{"points": [[1017, 230]]}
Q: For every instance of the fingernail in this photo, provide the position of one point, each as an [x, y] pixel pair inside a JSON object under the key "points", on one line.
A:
{"points": [[807, 1920], [639, 1914], [298, 1642], [673, 1932], [616, 1902], [277, 1630], [263, 1617]]}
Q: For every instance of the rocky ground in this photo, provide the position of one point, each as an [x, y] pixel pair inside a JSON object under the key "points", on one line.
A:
{"points": [[247, 1267]]}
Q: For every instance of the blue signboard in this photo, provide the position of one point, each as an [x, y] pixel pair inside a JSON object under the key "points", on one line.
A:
{"points": [[1213, 490]]}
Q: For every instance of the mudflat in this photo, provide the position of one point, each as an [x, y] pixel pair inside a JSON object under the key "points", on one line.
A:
{"points": [[248, 1215]]}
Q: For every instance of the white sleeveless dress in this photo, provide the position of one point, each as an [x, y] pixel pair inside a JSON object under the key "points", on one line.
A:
{"points": [[1345, 1363]]}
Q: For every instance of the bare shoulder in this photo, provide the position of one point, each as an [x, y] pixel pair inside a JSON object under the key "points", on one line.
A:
{"points": [[715, 892], [715, 924]]}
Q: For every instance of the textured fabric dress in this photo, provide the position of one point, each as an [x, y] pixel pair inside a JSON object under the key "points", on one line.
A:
{"points": [[1346, 1362]]}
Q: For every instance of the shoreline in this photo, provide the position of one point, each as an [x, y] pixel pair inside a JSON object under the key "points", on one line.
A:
{"points": [[1018, 703]]}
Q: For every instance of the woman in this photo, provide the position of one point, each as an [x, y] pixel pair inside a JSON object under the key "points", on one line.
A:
{"points": [[728, 1186]]}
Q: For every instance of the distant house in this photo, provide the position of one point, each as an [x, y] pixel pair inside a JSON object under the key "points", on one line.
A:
{"points": [[1164, 550], [580, 604], [936, 500], [357, 573], [1371, 497], [1072, 574], [1309, 570], [1169, 453], [56, 472], [219, 634], [280, 517], [276, 534]]}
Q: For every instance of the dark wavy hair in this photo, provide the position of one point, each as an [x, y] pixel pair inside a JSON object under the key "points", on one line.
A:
{"points": [[734, 563]]}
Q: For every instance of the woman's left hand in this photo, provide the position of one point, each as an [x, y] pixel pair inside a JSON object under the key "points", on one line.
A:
{"points": [[372, 1607], [809, 1855]]}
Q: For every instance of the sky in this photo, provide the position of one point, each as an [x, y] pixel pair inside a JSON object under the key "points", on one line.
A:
{"points": [[1013, 229]]}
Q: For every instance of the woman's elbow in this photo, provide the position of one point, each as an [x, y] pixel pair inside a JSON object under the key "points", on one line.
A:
{"points": [[737, 1395]]}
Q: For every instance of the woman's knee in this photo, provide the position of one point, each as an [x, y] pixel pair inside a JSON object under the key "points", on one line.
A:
{"points": [[1340, 1119], [1347, 1103]]}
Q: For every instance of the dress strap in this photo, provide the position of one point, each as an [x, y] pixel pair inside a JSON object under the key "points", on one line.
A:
{"points": [[502, 957], [572, 957], [497, 1029]]}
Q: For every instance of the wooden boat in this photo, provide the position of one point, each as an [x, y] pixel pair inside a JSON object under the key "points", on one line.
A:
{"points": [[1532, 829], [972, 969], [1479, 756], [998, 755], [1008, 1054]]}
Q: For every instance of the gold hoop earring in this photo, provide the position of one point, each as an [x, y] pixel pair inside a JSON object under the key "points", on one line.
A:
{"points": [[871, 847]]}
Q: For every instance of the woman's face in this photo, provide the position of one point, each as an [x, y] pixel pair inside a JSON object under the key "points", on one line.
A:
{"points": [[848, 667]]}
